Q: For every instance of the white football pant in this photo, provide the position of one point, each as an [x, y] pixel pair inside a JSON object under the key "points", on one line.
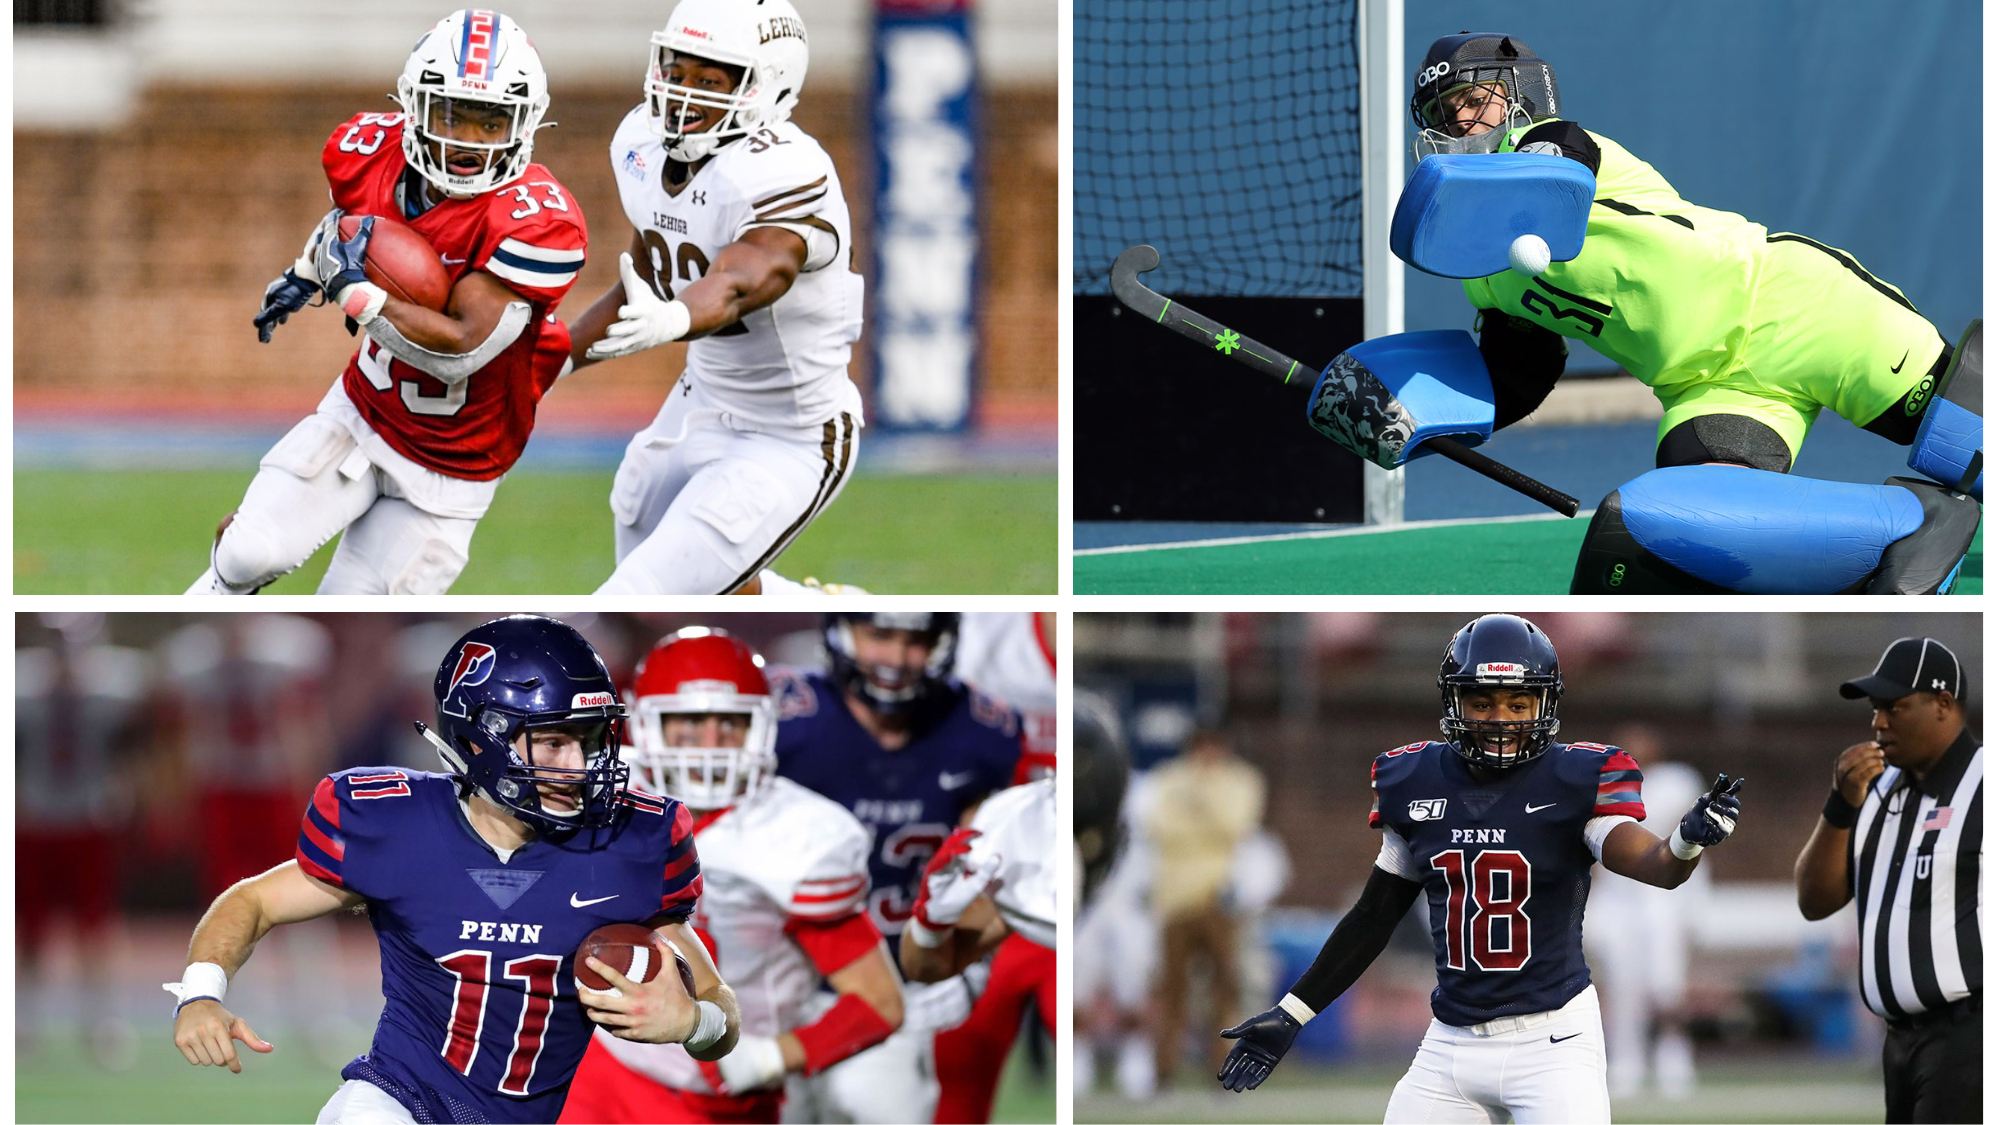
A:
{"points": [[313, 484], [893, 1081], [1547, 1067], [702, 501], [363, 1103]]}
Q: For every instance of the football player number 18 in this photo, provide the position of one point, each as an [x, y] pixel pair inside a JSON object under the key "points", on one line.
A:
{"points": [[1495, 930]]}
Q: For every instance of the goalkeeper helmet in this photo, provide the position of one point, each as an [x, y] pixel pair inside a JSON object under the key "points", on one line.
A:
{"points": [[1500, 652], [472, 56], [1469, 70], [765, 40]]}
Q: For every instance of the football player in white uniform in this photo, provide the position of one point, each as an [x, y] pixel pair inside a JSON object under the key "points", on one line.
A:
{"points": [[741, 245], [785, 885]]}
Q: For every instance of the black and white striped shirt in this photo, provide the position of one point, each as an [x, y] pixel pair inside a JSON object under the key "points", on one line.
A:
{"points": [[1913, 862]]}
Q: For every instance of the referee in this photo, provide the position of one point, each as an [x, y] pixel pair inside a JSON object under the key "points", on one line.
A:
{"points": [[1900, 836]]}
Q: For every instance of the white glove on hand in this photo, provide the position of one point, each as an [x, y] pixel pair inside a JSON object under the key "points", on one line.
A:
{"points": [[754, 1063], [954, 878], [644, 321], [943, 1005]]}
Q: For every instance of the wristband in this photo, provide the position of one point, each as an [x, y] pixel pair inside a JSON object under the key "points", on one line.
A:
{"points": [[204, 980], [1297, 1009], [712, 1026], [362, 301], [924, 934], [1838, 812], [1681, 847]]}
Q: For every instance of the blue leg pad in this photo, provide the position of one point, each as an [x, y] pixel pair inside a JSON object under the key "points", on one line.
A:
{"points": [[1950, 442], [1724, 528], [1459, 213]]}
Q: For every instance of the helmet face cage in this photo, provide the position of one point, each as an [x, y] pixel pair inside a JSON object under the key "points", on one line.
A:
{"points": [[472, 56], [509, 678], [1506, 66], [1500, 652], [766, 42], [942, 629]]}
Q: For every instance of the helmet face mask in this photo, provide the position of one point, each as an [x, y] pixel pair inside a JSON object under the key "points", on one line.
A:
{"points": [[472, 59], [765, 44], [704, 686], [1522, 88], [520, 690], [1497, 667], [854, 644]]}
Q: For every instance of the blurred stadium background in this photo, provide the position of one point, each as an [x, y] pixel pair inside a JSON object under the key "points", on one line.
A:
{"points": [[166, 167], [160, 757], [1270, 205], [1309, 700]]}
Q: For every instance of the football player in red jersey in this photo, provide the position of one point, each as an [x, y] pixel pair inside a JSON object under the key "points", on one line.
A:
{"points": [[407, 448]]}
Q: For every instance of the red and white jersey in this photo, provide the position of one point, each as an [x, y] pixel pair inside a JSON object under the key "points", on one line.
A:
{"points": [[1021, 824], [786, 363], [1012, 657], [530, 234], [786, 856]]}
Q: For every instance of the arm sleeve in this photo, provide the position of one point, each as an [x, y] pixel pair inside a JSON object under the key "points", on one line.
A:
{"points": [[1524, 360], [1358, 939], [1598, 829], [680, 879]]}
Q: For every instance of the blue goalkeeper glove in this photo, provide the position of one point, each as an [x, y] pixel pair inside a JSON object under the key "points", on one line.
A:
{"points": [[1711, 820], [1261, 1041]]}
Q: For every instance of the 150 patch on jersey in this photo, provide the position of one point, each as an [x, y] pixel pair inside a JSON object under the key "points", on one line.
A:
{"points": [[1432, 809]]}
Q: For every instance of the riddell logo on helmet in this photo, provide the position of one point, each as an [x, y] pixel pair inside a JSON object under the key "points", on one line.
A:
{"points": [[1501, 669], [475, 663], [592, 699]]}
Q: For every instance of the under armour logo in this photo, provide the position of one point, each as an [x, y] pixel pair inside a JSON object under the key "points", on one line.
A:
{"points": [[700, 198], [1937, 685]]}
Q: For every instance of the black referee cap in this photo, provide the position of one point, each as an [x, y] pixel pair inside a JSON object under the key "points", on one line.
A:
{"points": [[1908, 665]]}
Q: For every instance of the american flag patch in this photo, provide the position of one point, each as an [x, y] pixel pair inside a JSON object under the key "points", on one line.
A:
{"points": [[1939, 819]]}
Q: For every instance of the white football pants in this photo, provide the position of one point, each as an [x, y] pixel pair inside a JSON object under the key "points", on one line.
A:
{"points": [[702, 502], [313, 484], [1546, 1067]]}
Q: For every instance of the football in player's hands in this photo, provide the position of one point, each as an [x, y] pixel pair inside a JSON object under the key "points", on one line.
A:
{"points": [[635, 951], [402, 262]]}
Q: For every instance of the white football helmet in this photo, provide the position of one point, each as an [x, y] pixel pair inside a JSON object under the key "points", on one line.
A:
{"points": [[704, 671], [764, 37], [476, 56]]}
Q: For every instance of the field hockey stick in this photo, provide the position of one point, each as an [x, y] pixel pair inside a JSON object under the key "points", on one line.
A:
{"points": [[1134, 295]]}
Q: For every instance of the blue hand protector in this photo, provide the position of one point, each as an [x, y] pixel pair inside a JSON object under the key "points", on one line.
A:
{"points": [[1382, 399], [1458, 214]]}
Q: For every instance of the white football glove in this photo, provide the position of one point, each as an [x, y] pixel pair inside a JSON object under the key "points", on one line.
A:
{"points": [[943, 1005], [954, 878], [644, 321], [753, 1064]]}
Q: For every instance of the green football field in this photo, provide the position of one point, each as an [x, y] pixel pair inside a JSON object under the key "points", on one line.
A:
{"points": [[81, 532], [52, 1085], [1527, 555]]}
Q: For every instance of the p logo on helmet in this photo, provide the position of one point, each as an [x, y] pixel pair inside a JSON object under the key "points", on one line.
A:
{"points": [[475, 663]]}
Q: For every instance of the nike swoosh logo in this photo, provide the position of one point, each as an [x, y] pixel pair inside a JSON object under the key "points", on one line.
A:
{"points": [[1539, 808], [1570, 1036], [461, 261], [957, 780], [574, 901], [1898, 369]]}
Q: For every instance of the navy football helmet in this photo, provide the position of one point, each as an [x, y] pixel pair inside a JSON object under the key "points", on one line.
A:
{"points": [[897, 692], [511, 677], [1500, 651]]}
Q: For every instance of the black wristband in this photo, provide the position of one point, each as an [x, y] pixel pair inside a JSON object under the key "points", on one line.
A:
{"points": [[1838, 812]]}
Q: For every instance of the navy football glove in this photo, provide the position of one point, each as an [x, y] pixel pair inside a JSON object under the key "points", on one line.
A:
{"points": [[1713, 817], [1261, 1041], [282, 298], [338, 262]]}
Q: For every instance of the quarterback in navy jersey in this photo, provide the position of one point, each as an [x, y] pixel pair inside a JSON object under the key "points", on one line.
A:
{"points": [[1497, 825], [481, 882]]}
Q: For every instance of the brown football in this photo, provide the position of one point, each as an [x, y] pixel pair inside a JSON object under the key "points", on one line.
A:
{"points": [[633, 950], [402, 262]]}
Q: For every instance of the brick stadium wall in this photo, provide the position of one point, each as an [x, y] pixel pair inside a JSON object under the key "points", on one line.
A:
{"points": [[140, 254]]}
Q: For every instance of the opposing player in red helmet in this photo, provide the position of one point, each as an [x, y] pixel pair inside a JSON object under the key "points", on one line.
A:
{"points": [[786, 882], [405, 452]]}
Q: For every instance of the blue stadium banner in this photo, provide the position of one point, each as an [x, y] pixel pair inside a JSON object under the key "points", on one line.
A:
{"points": [[923, 330]]}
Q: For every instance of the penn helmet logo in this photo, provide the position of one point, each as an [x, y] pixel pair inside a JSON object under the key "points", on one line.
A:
{"points": [[475, 47], [475, 663]]}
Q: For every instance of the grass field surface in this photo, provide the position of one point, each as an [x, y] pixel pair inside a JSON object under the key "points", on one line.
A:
{"points": [[1730, 1090], [1518, 555], [79, 532], [290, 1084]]}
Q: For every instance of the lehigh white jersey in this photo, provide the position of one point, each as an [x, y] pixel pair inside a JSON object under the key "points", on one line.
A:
{"points": [[784, 364], [1020, 823], [787, 853]]}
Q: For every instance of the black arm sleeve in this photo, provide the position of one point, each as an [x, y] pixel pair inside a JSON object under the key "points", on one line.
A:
{"points": [[1562, 138], [1358, 939], [1524, 359]]}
